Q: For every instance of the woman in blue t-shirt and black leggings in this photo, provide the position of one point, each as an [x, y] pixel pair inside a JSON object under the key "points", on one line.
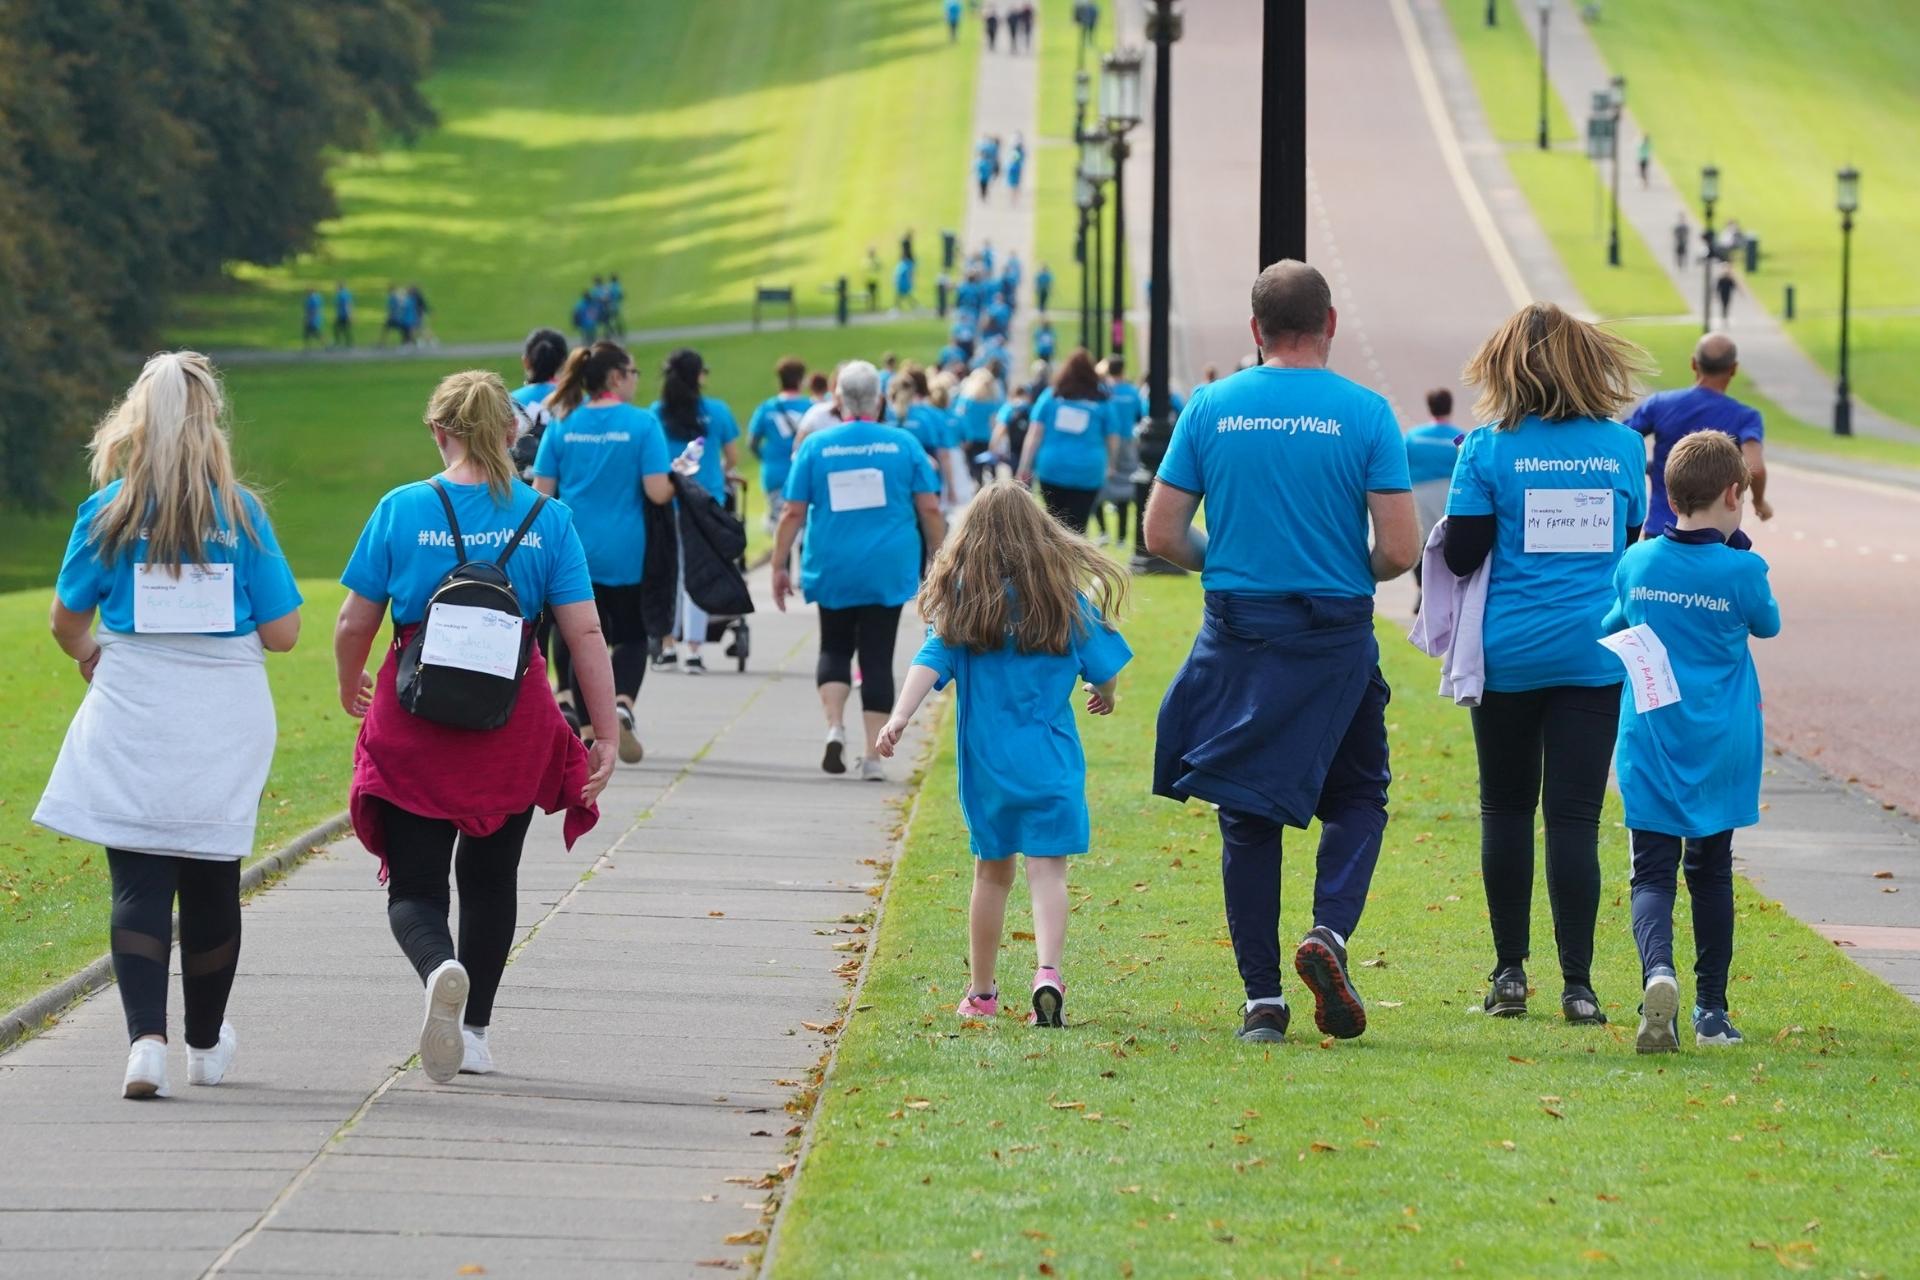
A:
{"points": [[1553, 491], [1071, 444]]}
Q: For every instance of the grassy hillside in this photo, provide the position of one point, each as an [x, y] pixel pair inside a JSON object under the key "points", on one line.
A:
{"points": [[693, 146]]}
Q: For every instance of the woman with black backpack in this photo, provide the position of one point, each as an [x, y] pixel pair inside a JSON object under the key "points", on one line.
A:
{"points": [[462, 737]]}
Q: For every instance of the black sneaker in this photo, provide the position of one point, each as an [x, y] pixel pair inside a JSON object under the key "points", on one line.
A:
{"points": [[1581, 1006], [1265, 1024], [1321, 963], [1508, 996], [696, 666], [665, 661]]}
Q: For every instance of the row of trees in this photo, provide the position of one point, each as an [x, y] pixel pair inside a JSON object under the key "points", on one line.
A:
{"points": [[145, 145]]}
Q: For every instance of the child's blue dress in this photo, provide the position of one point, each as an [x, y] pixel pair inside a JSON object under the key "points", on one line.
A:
{"points": [[1023, 776]]}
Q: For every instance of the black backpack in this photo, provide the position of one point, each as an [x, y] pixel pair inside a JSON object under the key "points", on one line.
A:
{"points": [[453, 695]]}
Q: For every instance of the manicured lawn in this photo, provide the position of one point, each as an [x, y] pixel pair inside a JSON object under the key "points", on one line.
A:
{"points": [[54, 892], [1779, 97], [326, 439], [690, 149], [1144, 1140]]}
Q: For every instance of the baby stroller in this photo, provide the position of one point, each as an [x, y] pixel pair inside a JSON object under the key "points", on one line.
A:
{"points": [[719, 627]]}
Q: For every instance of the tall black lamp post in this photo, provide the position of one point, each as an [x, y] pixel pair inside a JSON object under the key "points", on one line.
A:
{"points": [[1493, 13], [1546, 12], [1163, 28], [1096, 166], [1082, 93], [1617, 101], [1847, 200], [1120, 112], [1709, 193]]}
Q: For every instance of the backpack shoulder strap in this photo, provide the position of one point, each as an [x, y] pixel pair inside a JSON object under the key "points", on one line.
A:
{"points": [[453, 521], [513, 544]]}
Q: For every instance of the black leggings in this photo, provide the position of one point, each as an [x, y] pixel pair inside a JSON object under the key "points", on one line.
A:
{"points": [[487, 869], [1570, 728], [870, 631], [144, 885], [626, 637], [1070, 507]]}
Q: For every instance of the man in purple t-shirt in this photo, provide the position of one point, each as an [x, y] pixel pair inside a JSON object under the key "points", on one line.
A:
{"points": [[1667, 416]]}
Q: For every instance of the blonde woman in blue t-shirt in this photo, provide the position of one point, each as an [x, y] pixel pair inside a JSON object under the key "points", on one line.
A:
{"points": [[166, 758]]}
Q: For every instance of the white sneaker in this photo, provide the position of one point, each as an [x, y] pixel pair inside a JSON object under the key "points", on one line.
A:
{"points": [[146, 1070], [479, 1057], [835, 758], [441, 1047], [631, 750], [870, 771], [1657, 1010], [209, 1066]]}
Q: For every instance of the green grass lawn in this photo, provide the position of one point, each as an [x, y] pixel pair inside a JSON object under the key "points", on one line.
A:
{"points": [[691, 150], [1145, 1140], [54, 892]]}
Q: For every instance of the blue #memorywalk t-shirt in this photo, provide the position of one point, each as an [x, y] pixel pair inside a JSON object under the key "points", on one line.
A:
{"points": [[863, 534], [1562, 496], [1692, 767], [598, 456], [1073, 452], [772, 429], [1284, 459], [1671, 416]]}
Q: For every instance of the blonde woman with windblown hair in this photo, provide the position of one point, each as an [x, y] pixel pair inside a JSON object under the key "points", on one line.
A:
{"points": [[166, 758], [1018, 610], [1553, 490], [427, 797]]}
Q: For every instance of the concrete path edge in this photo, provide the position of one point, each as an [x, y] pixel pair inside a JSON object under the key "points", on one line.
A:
{"points": [[42, 1011]]}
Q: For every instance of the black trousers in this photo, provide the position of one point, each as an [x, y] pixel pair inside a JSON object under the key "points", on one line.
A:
{"points": [[868, 630], [1070, 507], [1547, 749], [144, 885], [419, 853], [626, 635], [1708, 864]]}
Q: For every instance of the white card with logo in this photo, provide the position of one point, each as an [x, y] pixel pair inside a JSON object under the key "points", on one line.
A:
{"points": [[860, 489], [1071, 420], [1649, 672], [1563, 520], [484, 640], [198, 602]]}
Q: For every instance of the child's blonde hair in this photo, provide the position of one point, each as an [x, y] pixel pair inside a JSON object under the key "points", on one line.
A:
{"points": [[1012, 571]]}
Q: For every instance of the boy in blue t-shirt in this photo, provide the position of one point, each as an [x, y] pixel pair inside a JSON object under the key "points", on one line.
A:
{"points": [[1689, 767]]}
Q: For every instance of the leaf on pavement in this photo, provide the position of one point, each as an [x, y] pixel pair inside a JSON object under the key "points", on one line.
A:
{"points": [[755, 1236]]}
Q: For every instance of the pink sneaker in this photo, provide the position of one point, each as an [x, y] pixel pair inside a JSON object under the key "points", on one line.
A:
{"points": [[980, 1006], [1049, 994]]}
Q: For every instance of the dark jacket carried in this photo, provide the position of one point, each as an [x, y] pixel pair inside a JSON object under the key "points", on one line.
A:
{"points": [[715, 540]]}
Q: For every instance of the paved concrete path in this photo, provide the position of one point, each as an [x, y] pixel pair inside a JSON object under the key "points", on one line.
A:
{"points": [[1006, 104], [1768, 354], [649, 1032]]}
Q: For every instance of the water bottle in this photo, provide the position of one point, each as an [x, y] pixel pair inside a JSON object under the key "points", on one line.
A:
{"points": [[688, 463]]}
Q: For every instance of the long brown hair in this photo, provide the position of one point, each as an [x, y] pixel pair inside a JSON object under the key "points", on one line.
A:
{"points": [[1011, 570], [167, 445], [1545, 363], [586, 373], [1078, 379], [473, 408]]}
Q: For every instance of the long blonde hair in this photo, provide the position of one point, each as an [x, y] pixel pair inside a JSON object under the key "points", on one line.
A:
{"points": [[473, 408], [1546, 363], [1011, 570], [166, 442]]}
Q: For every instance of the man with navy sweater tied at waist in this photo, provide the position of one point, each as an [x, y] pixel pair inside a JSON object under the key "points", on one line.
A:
{"points": [[1279, 714]]}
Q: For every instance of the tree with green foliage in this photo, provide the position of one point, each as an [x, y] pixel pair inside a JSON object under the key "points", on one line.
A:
{"points": [[145, 145]]}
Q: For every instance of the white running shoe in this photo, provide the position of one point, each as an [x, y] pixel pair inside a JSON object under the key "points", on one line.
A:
{"points": [[870, 770], [441, 1046], [1658, 1008], [209, 1066], [835, 758], [146, 1070], [631, 751], [479, 1057]]}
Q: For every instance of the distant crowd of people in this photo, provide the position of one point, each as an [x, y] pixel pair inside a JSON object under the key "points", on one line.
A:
{"points": [[406, 317], [1017, 19]]}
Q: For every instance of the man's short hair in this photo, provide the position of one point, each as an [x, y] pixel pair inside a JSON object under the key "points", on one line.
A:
{"points": [[1715, 354], [1439, 402], [1291, 300], [859, 389], [792, 371], [1700, 469]]}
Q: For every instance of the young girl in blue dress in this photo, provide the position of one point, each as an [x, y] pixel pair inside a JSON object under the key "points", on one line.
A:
{"points": [[1018, 610]]}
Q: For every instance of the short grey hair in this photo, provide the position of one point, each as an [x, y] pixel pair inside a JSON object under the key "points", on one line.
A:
{"points": [[859, 389]]}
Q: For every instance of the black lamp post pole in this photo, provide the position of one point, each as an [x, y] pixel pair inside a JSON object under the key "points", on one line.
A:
{"points": [[1163, 28], [1120, 154], [1545, 12], [1843, 406], [1080, 256], [1613, 229], [1706, 272], [1493, 13], [1094, 261]]}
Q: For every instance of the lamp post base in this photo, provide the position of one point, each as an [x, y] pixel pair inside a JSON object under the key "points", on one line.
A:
{"points": [[1843, 415]]}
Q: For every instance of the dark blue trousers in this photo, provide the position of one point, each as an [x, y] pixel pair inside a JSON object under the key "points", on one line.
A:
{"points": [[1708, 864], [1352, 810]]}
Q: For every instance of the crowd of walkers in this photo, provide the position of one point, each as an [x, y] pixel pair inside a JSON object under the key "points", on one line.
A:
{"points": [[566, 519]]}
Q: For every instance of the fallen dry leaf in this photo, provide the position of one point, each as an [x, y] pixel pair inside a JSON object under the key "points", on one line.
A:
{"points": [[471, 1269], [1319, 1144], [1883, 875], [1068, 1106], [1525, 1062], [716, 914], [755, 1236], [1555, 1113], [1596, 1255]]}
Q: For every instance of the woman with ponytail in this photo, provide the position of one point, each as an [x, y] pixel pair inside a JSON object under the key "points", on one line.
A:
{"points": [[606, 459], [428, 797], [689, 414], [166, 758]]}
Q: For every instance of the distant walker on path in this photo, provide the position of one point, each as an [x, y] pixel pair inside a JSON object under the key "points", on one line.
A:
{"points": [[1668, 417], [1279, 714]]}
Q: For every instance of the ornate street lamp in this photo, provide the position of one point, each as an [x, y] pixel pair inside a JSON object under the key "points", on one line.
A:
{"points": [[1120, 112], [1096, 166], [1709, 193], [1163, 28], [1847, 200], [1617, 101]]}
